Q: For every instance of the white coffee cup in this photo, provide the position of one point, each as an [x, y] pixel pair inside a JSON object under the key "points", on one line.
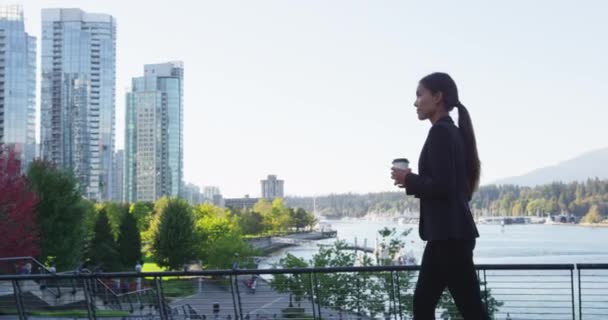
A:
{"points": [[401, 163]]}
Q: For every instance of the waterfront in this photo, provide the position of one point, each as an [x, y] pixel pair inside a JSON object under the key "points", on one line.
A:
{"points": [[529, 243]]}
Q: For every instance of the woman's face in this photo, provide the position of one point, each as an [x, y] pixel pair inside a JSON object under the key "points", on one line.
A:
{"points": [[427, 103]]}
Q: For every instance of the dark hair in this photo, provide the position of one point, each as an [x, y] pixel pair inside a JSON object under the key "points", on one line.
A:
{"points": [[442, 82]]}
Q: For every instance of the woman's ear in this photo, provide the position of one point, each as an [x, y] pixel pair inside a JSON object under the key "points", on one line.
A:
{"points": [[437, 97]]}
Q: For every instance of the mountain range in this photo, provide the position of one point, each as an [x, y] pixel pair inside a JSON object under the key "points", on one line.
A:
{"points": [[588, 165]]}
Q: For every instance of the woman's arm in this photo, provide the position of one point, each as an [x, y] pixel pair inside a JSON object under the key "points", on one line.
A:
{"points": [[438, 183]]}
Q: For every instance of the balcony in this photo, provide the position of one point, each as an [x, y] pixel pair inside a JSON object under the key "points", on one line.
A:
{"points": [[548, 291]]}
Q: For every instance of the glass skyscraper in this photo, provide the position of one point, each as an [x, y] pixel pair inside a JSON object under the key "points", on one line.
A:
{"points": [[154, 134], [17, 84], [78, 96]]}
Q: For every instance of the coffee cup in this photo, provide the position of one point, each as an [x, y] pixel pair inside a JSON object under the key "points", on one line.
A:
{"points": [[401, 163]]}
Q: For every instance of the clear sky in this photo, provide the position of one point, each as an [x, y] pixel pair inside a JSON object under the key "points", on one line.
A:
{"points": [[320, 92]]}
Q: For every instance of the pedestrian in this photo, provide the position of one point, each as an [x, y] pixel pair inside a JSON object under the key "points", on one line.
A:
{"points": [[448, 174], [138, 279]]}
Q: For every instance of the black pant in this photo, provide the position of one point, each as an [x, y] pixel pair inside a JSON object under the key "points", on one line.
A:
{"points": [[448, 263]]}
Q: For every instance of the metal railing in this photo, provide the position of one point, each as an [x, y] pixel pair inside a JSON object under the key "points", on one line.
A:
{"points": [[547, 291], [14, 264]]}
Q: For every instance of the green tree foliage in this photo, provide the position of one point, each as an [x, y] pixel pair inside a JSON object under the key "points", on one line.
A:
{"points": [[103, 251], [115, 212], [296, 284], [555, 198], [143, 215], [129, 242], [301, 219], [173, 234], [62, 213], [574, 198], [593, 216], [219, 238], [365, 292], [356, 205], [158, 208], [252, 222]]}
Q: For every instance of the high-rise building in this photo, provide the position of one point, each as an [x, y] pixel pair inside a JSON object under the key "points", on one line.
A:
{"points": [[210, 191], [212, 194], [154, 133], [118, 173], [192, 194], [78, 96], [17, 84], [272, 188]]}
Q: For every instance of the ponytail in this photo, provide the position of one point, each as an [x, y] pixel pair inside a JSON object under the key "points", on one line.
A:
{"points": [[473, 164], [442, 82]]}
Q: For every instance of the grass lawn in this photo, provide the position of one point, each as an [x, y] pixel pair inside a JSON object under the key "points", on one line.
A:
{"points": [[172, 286], [179, 287]]}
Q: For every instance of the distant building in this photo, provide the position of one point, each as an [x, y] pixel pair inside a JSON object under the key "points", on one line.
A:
{"points": [[272, 188], [17, 85], [192, 194], [218, 201], [78, 91], [118, 176], [241, 203], [210, 191], [154, 133]]}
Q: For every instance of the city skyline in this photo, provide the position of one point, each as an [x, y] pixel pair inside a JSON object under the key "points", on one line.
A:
{"points": [[78, 96], [153, 141], [331, 101], [17, 84]]}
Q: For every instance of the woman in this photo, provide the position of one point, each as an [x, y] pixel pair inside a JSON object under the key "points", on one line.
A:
{"points": [[449, 170]]}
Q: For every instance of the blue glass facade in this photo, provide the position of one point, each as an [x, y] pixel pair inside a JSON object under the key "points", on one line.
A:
{"points": [[17, 84], [154, 134], [77, 96]]}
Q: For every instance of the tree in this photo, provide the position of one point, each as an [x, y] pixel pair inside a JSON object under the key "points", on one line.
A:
{"points": [[103, 251], [129, 242], [219, 238], [593, 216], [221, 253], [296, 284], [251, 222], [62, 213], [363, 292], [173, 238], [115, 212], [18, 225], [300, 218], [142, 214]]}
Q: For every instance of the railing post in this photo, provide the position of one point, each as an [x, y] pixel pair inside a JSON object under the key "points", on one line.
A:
{"points": [[399, 294], [314, 275], [89, 300], [161, 300], [358, 298], [393, 295], [312, 296], [238, 297], [18, 300], [580, 296], [572, 292], [485, 292], [232, 284]]}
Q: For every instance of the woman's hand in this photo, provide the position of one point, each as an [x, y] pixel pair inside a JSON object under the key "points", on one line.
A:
{"points": [[399, 175]]}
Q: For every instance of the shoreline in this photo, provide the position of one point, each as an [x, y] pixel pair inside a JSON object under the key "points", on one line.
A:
{"points": [[271, 244]]}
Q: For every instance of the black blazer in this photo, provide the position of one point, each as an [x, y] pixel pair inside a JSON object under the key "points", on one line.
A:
{"points": [[442, 187]]}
